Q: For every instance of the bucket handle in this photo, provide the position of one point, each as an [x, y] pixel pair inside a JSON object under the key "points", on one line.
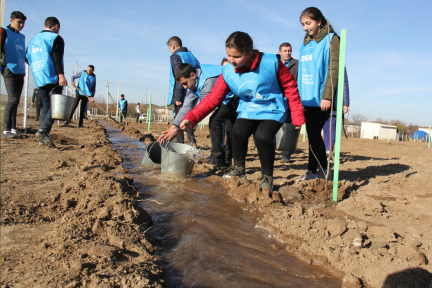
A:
{"points": [[169, 140], [50, 93]]}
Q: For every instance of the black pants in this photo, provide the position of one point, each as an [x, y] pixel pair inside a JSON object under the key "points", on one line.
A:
{"points": [[84, 101], [38, 106], [315, 120], [45, 93], [229, 125], [264, 132], [122, 116], [14, 84], [217, 132], [190, 135], [137, 118]]}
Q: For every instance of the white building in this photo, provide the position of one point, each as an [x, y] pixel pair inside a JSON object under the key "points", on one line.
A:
{"points": [[424, 129], [373, 130]]}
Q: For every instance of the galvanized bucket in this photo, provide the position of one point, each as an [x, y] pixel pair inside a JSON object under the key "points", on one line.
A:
{"points": [[152, 155], [287, 137], [61, 106], [174, 159]]}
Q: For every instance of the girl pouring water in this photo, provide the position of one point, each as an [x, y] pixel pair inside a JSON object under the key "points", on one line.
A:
{"points": [[266, 89]]}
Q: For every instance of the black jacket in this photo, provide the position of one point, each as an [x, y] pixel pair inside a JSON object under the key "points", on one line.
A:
{"points": [[293, 67], [179, 91]]}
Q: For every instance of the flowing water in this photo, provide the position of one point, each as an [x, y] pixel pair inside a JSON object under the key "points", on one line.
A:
{"points": [[209, 239]]}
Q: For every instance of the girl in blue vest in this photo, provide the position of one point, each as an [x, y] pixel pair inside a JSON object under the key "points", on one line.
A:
{"points": [[317, 80], [265, 88], [12, 69]]}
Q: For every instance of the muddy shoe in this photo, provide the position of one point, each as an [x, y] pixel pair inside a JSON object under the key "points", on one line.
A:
{"points": [[266, 182], [235, 171], [322, 175], [8, 135], [45, 139], [308, 176]]}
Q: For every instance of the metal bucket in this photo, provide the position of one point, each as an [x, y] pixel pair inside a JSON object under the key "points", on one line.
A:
{"points": [[287, 137], [174, 160], [152, 155], [61, 106]]}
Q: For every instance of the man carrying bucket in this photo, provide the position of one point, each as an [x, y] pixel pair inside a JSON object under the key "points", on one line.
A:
{"points": [[285, 51], [199, 83], [12, 69], [45, 57], [86, 83], [176, 94]]}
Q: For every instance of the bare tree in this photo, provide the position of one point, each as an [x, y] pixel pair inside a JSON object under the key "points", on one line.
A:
{"points": [[357, 119]]}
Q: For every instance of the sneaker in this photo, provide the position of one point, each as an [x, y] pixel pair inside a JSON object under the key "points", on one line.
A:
{"points": [[266, 182], [45, 139], [8, 135], [285, 159], [236, 171], [322, 175], [66, 123], [81, 126], [308, 176]]}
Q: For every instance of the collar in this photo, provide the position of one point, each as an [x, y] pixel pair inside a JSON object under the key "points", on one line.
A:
{"points": [[255, 63], [12, 29]]}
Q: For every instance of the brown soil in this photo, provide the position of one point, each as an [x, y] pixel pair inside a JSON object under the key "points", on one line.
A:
{"points": [[379, 234], [69, 216]]}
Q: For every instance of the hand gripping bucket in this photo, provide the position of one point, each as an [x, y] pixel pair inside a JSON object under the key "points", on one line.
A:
{"points": [[152, 156], [174, 159], [287, 137], [61, 106]]}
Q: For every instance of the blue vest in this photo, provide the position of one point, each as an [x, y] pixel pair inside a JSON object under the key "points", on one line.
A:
{"points": [[14, 49], [207, 71], [122, 105], [313, 67], [260, 96], [86, 83], [39, 56], [228, 98], [186, 57]]}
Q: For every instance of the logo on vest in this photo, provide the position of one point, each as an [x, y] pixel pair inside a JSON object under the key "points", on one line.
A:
{"points": [[258, 96], [306, 58], [37, 49]]}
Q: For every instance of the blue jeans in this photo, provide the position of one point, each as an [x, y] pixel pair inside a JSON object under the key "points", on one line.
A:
{"points": [[45, 94]]}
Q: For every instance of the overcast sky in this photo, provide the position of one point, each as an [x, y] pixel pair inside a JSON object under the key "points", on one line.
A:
{"points": [[389, 59]]}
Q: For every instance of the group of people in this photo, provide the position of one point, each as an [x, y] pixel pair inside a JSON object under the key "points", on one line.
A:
{"points": [[44, 54], [255, 93]]}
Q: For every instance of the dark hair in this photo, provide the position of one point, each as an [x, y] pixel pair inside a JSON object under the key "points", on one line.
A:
{"points": [[122, 95], [51, 22], [314, 14], [240, 41], [138, 104], [18, 15], [224, 60], [184, 70], [91, 66], [285, 44], [176, 41]]}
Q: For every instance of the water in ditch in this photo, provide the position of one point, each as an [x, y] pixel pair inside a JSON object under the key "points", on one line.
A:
{"points": [[209, 239]]}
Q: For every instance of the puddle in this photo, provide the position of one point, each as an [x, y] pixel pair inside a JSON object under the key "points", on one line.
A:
{"points": [[209, 239]]}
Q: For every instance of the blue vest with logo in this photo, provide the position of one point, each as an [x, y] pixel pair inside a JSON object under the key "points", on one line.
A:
{"points": [[260, 96], [122, 105], [39, 56], [14, 49], [313, 67], [186, 57], [86, 83], [207, 71]]}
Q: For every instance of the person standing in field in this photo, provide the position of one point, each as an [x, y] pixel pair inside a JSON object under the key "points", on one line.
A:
{"points": [[12, 69], [318, 79], [285, 51], [138, 112], [45, 57], [123, 106], [177, 93], [87, 84], [263, 84]]}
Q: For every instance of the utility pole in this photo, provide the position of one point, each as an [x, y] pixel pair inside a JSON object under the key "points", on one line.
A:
{"points": [[107, 97], [146, 96], [118, 96], [3, 2]]}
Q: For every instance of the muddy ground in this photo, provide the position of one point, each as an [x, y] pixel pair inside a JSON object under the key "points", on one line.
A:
{"points": [[69, 216], [378, 235]]}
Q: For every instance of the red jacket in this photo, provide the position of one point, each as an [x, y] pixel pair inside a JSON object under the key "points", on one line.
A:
{"points": [[220, 90]]}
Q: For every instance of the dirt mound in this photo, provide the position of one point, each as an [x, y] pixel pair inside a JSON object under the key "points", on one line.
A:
{"points": [[69, 217], [63, 140]]}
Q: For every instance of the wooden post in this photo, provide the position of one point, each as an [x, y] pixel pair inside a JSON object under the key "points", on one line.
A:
{"points": [[26, 84], [108, 83]]}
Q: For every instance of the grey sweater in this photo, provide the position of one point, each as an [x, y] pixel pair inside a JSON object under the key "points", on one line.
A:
{"points": [[190, 100]]}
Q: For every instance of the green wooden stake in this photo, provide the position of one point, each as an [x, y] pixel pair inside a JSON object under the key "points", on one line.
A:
{"points": [[149, 113], [304, 132], [339, 114], [429, 137]]}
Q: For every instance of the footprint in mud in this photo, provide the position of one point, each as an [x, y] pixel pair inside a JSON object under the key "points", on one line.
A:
{"points": [[63, 140]]}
